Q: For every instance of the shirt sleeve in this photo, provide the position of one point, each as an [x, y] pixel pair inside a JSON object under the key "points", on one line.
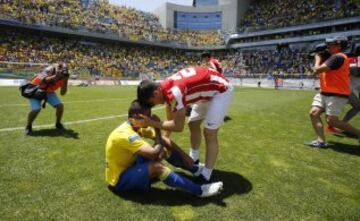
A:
{"points": [[135, 142], [176, 91], [335, 62]]}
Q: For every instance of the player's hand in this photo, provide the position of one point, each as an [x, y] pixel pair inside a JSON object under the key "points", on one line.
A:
{"points": [[155, 118], [318, 59], [141, 123], [161, 153]]}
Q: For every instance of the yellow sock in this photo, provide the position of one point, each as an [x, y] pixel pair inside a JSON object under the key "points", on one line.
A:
{"points": [[165, 174]]}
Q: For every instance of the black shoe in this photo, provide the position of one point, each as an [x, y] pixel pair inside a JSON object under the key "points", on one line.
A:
{"points": [[227, 118], [59, 126], [202, 180], [197, 162], [28, 130]]}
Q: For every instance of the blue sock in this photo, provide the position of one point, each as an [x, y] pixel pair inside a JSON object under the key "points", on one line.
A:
{"points": [[177, 181], [176, 160]]}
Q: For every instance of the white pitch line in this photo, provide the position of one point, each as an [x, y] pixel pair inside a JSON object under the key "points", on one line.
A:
{"points": [[70, 122], [70, 102]]}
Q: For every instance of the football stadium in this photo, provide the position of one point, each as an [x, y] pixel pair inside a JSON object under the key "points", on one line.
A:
{"points": [[180, 110]]}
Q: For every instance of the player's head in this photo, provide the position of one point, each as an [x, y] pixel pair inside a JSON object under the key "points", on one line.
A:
{"points": [[205, 55], [136, 109], [149, 93]]}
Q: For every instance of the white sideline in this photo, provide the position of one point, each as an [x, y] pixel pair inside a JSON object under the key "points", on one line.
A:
{"points": [[69, 102], [70, 122]]}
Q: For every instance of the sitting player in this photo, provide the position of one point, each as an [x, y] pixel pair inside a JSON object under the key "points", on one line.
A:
{"points": [[131, 162]]}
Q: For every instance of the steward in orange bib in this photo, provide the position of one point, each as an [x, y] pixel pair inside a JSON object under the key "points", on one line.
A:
{"points": [[334, 91], [50, 79]]}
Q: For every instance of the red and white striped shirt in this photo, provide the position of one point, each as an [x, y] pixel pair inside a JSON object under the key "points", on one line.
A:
{"points": [[192, 85]]}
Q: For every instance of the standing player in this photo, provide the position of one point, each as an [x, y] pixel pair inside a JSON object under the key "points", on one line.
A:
{"points": [[276, 81], [131, 162], [204, 86], [51, 78], [209, 61]]}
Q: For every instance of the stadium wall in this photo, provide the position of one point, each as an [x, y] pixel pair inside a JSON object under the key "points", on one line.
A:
{"points": [[230, 10], [241, 82]]}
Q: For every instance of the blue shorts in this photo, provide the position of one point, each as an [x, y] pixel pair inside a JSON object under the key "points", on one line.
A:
{"points": [[136, 177], [52, 99]]}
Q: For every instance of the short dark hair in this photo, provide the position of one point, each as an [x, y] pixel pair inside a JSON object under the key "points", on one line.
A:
{"points": [[205, 54], [145, 91], [136, 108]]}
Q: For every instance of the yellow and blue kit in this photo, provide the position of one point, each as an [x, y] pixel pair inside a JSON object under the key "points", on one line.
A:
{"points": [[126, 170]]}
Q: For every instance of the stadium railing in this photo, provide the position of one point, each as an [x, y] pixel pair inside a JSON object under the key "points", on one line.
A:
{"points": [[290, 40]]}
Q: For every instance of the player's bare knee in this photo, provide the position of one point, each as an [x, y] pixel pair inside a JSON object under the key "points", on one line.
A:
{"points": [[193, 125], [156, 168], [60, 106], [210, 133], [314, 112]]}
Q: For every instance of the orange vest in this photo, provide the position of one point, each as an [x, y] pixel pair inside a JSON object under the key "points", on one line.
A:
{"points": [[337, 81], [51, 88]]}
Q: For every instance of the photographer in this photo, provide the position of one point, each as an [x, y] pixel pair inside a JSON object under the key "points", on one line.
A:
{"points": [[50, 79], [334, 91]]}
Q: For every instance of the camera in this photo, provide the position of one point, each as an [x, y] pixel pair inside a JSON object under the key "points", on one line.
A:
{"points": [[322, 50], [354, 50], [65, 72]]}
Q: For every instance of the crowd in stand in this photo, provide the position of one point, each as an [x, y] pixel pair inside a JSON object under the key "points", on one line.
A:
{"points": [[118, 61], [104, 18], [283, 62], [135, 25], [105, 59], [264, 14]]}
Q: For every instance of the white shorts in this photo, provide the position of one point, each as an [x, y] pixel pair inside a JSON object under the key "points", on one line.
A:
{"points": [[213, 111], [332, 105]]}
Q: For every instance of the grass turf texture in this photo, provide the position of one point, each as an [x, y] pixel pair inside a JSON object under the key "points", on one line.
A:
{"points": [[268, 173]]}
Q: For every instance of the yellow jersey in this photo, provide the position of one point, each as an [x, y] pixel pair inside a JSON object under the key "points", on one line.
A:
{"points": [[121, 148]]}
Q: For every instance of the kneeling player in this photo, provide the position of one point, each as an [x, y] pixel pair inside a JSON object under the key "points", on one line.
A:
{"points": [[131, 163]]}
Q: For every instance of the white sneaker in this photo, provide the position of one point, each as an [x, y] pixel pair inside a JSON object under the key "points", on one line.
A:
{"points": [[198, 172], [211, 189]]}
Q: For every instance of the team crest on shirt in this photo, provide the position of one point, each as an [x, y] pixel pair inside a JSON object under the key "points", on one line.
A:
{"points": [[134, 137]]}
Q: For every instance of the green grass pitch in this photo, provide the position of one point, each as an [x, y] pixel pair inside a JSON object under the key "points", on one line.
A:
{"points": [[268, 173]]}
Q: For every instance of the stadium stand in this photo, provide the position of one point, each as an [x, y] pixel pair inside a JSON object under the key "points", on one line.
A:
{"points": [[104, 18], [123, 61], [263, 15], [89, 57]]}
